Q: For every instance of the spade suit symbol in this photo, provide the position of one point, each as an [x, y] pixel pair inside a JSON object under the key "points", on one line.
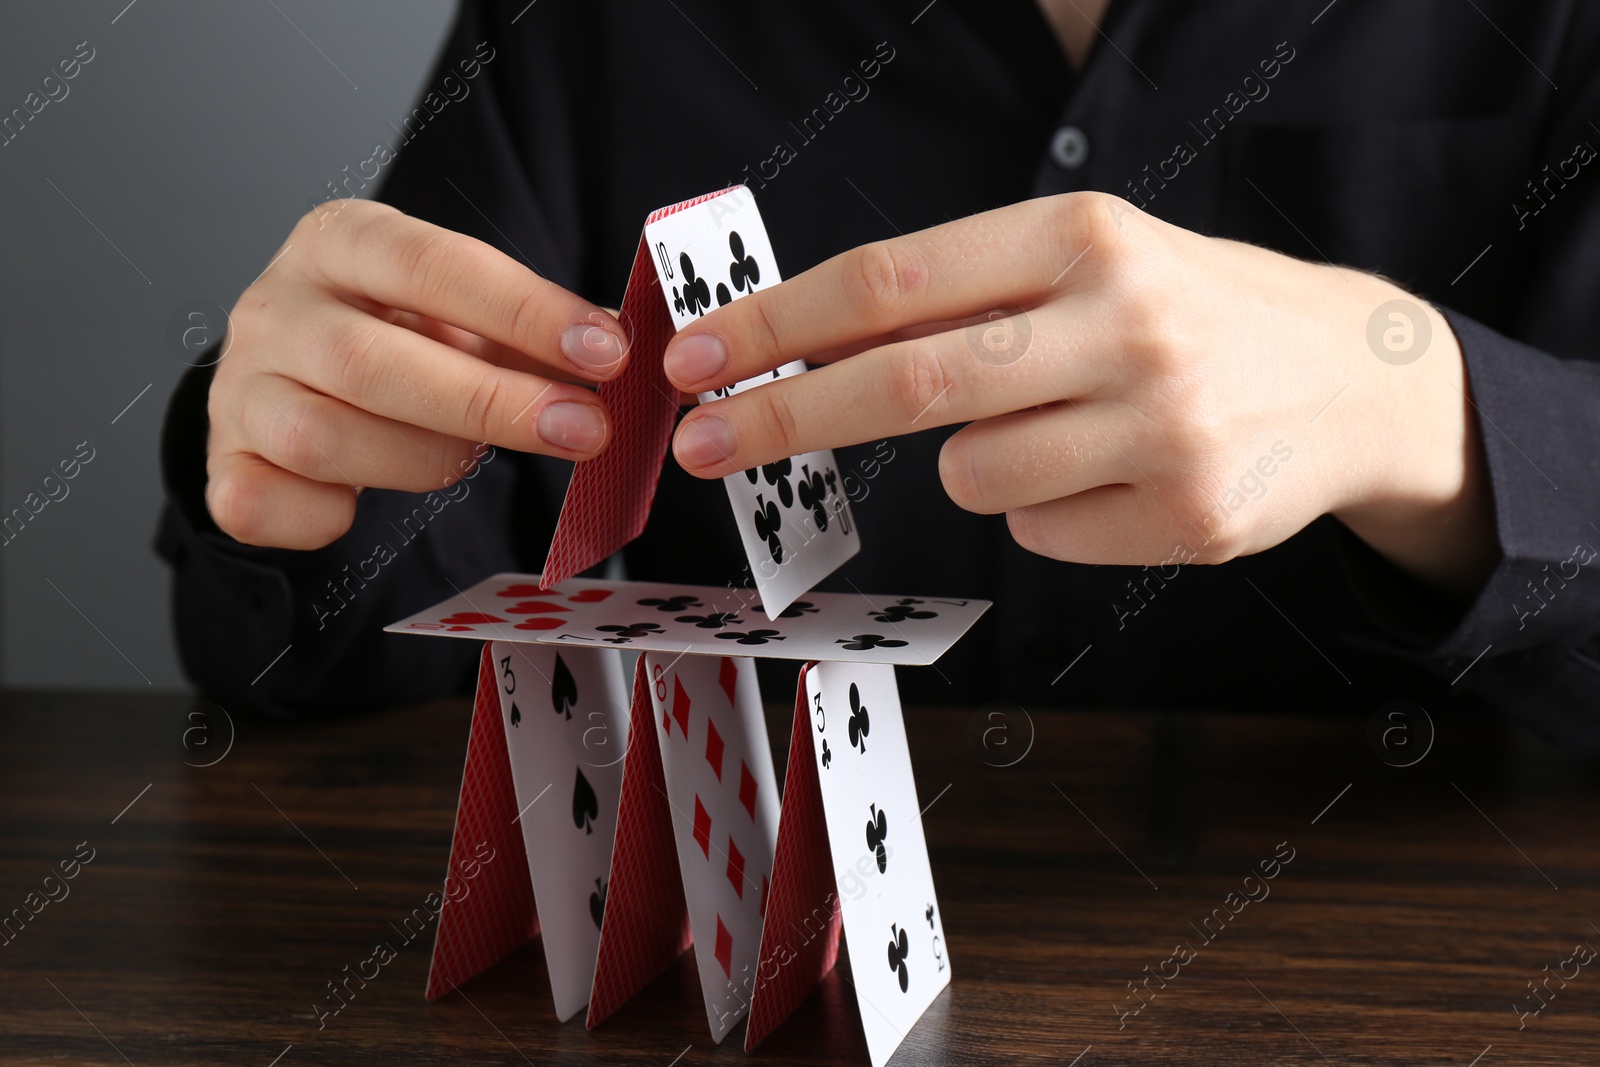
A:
{"points": [[585, 805], [563, 688]]}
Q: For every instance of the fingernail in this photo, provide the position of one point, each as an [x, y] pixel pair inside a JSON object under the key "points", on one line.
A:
{"points": [[696, 358], [591, 347], [705, 441], [572, 425]]}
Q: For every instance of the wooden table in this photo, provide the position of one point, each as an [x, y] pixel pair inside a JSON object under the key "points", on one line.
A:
{"points": [[1420, 902]]}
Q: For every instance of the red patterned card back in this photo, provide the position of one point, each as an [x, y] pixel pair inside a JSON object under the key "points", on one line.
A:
{"points": [[646, 921], [608, 500], [488, 909], [800, 934]]}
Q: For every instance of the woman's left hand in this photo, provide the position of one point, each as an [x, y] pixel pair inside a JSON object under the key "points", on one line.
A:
{"points": [[1145, 395]]}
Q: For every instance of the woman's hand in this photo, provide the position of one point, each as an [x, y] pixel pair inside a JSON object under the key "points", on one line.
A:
{"points": [[1146, 395], [379, 350]]}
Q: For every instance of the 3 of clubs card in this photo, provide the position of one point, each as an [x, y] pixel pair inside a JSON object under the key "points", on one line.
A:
{"points": [[794, 517], [566, 721], [892, 923]]}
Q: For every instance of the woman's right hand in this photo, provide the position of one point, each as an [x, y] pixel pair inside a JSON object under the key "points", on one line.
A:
{"points": [[382, 351]]}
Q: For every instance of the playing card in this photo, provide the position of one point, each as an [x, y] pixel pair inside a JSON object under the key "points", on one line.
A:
{"points": [[646, 923], [709, 252], [565, 714], [795, 523], [608, 500], [487, 909], [706, 620], [800, 931], [793, 519], [724, 796], [699, 619], [508, 607], [892, 922]]}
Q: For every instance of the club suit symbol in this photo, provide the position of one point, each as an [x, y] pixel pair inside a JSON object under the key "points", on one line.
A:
{"points": [[712, 620], [681, 602], [814, 495], [866, 642], [859, 723], [877, 834], [901, 610], [776, 475], [695, 297], [753, 637], [899, 948], [744, 272], [793, 611], [626, 634], [768, 520]]}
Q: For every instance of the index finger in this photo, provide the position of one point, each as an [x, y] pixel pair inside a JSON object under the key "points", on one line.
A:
{"points": [[966, 267], [402, 262]]}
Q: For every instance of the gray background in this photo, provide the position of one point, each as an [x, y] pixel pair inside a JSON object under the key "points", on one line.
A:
{"points": [[195, 137]]}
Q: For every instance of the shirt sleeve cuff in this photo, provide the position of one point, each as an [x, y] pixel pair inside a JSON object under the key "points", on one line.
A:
{"points": [[1535, 414]]}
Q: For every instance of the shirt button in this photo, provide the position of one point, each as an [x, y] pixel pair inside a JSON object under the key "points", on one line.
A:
{"points": [[1069, 148]]}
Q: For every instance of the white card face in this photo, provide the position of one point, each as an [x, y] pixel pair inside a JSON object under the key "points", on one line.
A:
{"points": [[724, 797], [705, 620], [508, 607], [793, 516], [566, 719], [892, 922], [711, 254], [795, 523], [700, 619]]}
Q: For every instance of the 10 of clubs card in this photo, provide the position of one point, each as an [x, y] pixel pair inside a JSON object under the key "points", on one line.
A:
{"points": [[793, 516]]}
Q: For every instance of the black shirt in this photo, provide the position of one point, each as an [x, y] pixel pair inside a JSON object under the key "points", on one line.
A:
{"points": [[1408, 139]]}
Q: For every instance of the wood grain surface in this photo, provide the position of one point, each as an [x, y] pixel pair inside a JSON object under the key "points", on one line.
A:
{"points": [[1420, 907]]}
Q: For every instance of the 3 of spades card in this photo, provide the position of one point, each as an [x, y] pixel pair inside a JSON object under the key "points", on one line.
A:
{"points": [[566, 723]]}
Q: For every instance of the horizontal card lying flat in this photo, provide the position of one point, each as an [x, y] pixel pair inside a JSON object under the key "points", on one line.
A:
{"points": [[700, 620]]}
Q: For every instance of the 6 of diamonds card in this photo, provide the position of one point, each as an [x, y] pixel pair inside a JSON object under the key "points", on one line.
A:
{"points": [[724, 796]]}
